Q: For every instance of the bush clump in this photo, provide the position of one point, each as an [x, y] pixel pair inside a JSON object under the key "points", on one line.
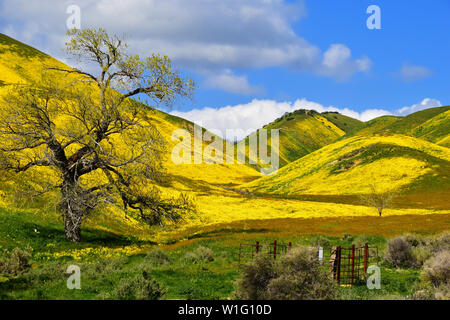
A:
{"points": [[157, 257], [202, 254], [321, 241], [255, 278], [415, 240], [441, 243], [399, 253], [436, 273], [48, 272], [142, 287], [18, 262], [296, 276], [437, 269]]}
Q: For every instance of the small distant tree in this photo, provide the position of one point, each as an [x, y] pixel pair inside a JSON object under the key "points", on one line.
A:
{"points": [[378, 199], [85, 128]]}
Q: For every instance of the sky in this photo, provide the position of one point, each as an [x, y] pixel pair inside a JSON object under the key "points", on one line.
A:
{"points": [[254, 60]]}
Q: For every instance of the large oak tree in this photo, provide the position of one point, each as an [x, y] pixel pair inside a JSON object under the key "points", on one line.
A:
{"points": [[86, 127]]}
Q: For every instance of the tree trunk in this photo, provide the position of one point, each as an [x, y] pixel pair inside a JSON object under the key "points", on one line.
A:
{"points": [[380, 211], [72, 228], [72, 210]]}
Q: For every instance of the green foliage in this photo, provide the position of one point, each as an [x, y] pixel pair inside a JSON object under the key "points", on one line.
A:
{"points": [[142, 287], [254, 279], [296, 276], [399, 253], [157, 257], [200, 255], [18, 262], [321, 241], [346, 124], [437, 269], [347, 237]]}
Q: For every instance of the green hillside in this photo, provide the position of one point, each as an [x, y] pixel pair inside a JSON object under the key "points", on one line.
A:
{"points": [[430, 124], [347, 124], [304, 131], [416, 169]]}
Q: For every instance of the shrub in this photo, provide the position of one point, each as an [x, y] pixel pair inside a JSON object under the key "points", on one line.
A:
{"points": [[202, 254], [414, 240], [157, 257], [254, 278], [421, 254], [347, 237], [360, 241], [442, 242], [47, 272], [125, 289], [205, 254], [442, 292], [301, 277], [399, 253], [321, 241], [17, 262], [191, 257], [296, 276], [142, 287], [103, 266], [437, 269]]}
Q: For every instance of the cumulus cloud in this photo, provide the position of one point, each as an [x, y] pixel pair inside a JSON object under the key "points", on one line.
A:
{"points": [[200, 35], [242, 119], [337, 62], [230, 82], [410, 73], [425, 104]]}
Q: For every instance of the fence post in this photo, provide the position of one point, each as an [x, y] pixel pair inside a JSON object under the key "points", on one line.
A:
{"points": [[275, 250], [320, 253], [257, 247], [366, 256], [289, 247], [338, 258], [353, 264]]}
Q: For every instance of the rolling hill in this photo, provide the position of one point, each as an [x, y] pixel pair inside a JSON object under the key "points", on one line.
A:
{"points": [[20, 62], [416, 169], [431, 124], [304, 131]]}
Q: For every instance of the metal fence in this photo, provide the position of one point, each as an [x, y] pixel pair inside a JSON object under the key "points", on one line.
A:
{"points": [[346, 264], [349, 264]]}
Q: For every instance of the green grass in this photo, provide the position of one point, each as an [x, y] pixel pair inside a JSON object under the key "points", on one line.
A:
{"points": [[430, 124], [45, 233], [183, 278], [347, 124]]}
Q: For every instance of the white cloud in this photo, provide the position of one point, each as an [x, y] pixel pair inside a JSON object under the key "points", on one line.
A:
{"points": [[337, 62], [410, 73], [200, 35], [257, 113], [425, 104], [251, 116], [232, 83]]}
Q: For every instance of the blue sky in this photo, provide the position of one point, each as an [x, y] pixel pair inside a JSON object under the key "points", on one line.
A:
{"points": [[253, 60], [414, 33]]}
